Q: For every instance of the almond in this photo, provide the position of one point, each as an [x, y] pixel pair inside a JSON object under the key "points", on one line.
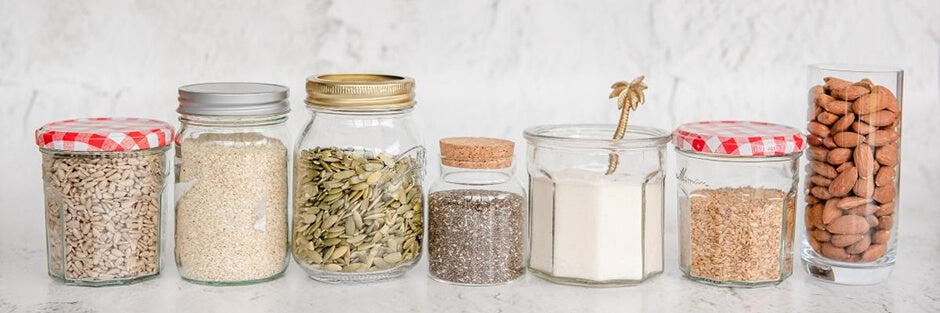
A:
{"points": [[833, 83], [848, 139], [830, 211], [817, 153], [859, 246], [817, 90], [851, 202], [810, 199], [865, 82], [843, 123], [886, 222], [887, 155], [887, 97], [867, 104], [863, 129], [885, 209], [821, 192], [838, 156], [885, 194], [881, 236], [880, 138], [819, 180], [844, 167], [864, 187], [815, 216], [864, 160], [821, 100], [844, 182], [814, 141], [823, 169], [872, 221], [844, 240], [837, 107], [885, 176], [848, 224], [816, 245], [850, 93], [863, 210], [880, 118], [826, 118], [834, 252], [821, 235], [829, 143], [818, 129], [874, 252]]}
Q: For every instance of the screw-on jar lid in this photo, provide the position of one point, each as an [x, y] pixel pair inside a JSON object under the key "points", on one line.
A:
{"points": [[233, 99], [104, 134], [360, 92], [739, 138], [476, 152]]}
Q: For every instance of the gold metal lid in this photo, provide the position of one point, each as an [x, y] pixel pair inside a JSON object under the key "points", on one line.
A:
{"points": [[360, 92]]}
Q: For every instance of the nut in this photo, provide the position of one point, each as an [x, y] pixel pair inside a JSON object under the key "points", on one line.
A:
{"points": [[852, 169], [848, 224]]}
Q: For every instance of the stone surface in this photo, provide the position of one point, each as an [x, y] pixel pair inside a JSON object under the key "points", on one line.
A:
{"points": [[483, 68]]}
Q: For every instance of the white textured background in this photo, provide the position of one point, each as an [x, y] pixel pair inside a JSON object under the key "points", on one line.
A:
{"points": [[487, 68]]}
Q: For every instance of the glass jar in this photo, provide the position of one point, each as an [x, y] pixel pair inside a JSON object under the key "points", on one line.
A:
{"points": [[358, 170], [853, 176], [476, 213], [737, 184], [104, 182], [587, 227], [231, 183]]}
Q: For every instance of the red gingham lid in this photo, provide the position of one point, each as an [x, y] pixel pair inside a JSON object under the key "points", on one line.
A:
{"points": [[104, 134], [739, 138]]}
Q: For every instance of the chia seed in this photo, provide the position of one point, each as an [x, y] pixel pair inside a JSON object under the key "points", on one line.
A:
{"points": [[475, 237]]}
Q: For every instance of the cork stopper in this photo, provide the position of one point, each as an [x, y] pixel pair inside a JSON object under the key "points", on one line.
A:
{"points": [[476, 152]]}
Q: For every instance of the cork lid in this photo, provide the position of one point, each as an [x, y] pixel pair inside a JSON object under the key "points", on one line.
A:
{"points": [[476, 152]]}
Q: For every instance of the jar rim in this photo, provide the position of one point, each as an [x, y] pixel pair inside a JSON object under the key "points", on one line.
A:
{"points": [[736, 158], [591, 136], [856, 68]]}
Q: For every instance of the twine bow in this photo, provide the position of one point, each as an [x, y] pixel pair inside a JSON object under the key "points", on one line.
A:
{"points": [[629, 97]]}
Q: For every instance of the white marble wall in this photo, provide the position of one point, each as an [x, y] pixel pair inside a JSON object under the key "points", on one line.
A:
{"points": [[487, 68]]}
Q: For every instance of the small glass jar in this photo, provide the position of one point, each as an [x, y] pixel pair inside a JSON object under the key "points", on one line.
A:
{"points": [[737, 186], [853, 176], [231, 183], [104, 182], [358, 171], [476, 214], [590, 224]]}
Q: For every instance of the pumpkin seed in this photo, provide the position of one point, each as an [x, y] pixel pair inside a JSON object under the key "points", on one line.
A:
{"points": [[357, 211]]}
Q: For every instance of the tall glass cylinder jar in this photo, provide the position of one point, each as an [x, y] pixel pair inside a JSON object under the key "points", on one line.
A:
{"points": [[358, 171], [593, 222], [231, 183], [853, 176], [737, 188], [476, 213], [104, 182]]}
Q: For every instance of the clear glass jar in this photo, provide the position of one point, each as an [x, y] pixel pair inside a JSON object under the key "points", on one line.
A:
{"points": [[476, 214], [737, 187], [232, 183], [104, 199], [358, 171], [587, 227], [853, 175]]}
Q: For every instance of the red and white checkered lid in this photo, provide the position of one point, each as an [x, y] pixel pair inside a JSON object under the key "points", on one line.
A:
{"points": [[104, 134], [739, 138]]}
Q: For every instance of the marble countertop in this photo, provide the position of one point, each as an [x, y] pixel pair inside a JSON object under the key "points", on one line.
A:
{"points": [[913, 287]]}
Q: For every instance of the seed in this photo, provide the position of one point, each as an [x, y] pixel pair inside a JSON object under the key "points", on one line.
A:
{"points": [[365, 193]]}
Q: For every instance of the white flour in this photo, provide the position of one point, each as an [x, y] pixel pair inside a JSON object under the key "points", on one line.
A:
{"points": [[590, 226]]}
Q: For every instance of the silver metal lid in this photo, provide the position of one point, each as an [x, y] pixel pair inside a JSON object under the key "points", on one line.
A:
{"points": [[233, 99]]}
